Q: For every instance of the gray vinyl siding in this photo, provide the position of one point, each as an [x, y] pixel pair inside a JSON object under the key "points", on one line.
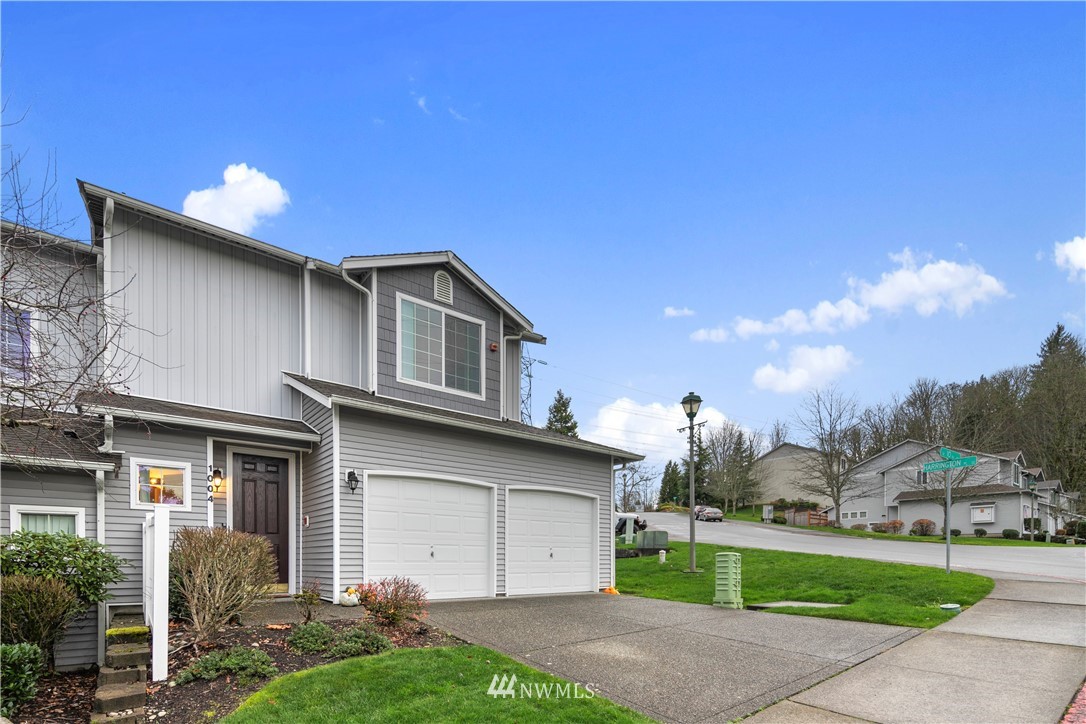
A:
{"points": [[371, 443], [418, 282], [511, 386], [214, 323], [337, 315], [124, 524], [79, 648], [318, 477], [1008, 513]]}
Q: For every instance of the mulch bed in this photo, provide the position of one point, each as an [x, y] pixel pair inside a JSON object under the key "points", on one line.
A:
{"points": [[62, 697], [204, 701]]}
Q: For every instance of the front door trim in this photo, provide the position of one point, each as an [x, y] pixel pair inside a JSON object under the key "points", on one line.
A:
{"points": [[292, 502], [437, 477]]}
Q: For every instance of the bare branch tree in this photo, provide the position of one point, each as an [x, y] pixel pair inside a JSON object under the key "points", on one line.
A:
{"points": [[733, 476], [829, 419], [635, 485]]}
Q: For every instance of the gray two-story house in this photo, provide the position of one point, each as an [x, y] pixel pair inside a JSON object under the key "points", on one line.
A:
{"points": [[362, 416]]}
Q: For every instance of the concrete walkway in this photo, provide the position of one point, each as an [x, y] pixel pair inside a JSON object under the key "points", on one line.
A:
{"points": [[679, 662], [1017, 656]]}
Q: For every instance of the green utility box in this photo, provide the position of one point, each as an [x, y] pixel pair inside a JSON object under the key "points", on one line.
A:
{"points": [[651, 540], [729, 580]]}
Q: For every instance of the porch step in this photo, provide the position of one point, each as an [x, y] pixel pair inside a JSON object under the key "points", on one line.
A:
{"points": [[130, 716], [108, 675], [120, 656], [119, 634], [120, 697]]}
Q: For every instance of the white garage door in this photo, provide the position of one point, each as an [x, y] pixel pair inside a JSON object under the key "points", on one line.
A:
{"points": [[551, 542], [435, 532]]}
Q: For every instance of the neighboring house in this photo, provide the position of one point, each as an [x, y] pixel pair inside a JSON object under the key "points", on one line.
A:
{"points": [[780, 469], [993, 495], [362, 417]]}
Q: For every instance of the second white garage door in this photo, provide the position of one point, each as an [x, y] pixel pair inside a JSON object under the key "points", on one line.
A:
{"points": [[552, 539], [436, 532]]}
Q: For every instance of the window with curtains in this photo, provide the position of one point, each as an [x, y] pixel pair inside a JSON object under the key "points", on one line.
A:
{"points": [[156, 482], [48, 519], [15, 343]]}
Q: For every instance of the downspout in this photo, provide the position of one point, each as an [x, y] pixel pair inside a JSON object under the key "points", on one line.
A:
{"points": [[307, 294], [107, 289], [371, 327]]}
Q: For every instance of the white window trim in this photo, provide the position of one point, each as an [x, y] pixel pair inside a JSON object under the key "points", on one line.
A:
{"points": [[18, 511], [133, 483], [481, 395], [973, 513]]}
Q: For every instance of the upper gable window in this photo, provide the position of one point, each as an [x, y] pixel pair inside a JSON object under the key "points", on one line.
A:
{"points": [[440, 349], [15, 343], [443, 287]]}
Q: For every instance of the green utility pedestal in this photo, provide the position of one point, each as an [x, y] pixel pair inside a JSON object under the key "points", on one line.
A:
{"points": [[729, 580]]}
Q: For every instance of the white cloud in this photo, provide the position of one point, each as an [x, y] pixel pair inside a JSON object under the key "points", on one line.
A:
{"points": [[457, 116], [246, 197], [936, 285], [772, 345], [671, 312], [716, 334], [421, 102], [1071, 255], [926, 288], [824, 317], [651, 430], [808, 367]]}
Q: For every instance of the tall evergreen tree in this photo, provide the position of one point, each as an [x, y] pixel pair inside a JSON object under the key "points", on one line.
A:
{"points": [[671, 484], [560, 416]]}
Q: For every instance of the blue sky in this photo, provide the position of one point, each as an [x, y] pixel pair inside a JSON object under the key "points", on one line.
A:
{"points": [[916, 169]]}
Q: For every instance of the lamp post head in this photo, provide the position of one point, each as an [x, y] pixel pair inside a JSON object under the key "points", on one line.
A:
{"points": [[1032, 485], [691, 404]]}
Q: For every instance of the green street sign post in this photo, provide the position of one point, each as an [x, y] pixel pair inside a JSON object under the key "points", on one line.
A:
{"points": [[951, 461]]}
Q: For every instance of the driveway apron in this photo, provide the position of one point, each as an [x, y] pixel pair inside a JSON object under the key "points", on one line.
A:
{"points": [[674, 661]]}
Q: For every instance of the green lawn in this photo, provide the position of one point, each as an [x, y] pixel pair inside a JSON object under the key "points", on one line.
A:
{"points": [[749, 514], [959, 540], [892, 593], [438, 684]]}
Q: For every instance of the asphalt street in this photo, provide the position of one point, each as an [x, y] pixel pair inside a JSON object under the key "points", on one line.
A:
{"points": [[1006, 562]]}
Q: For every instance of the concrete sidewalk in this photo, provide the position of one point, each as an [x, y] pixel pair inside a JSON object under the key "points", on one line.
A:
{"points": [[1017, 656], [674, 661]]}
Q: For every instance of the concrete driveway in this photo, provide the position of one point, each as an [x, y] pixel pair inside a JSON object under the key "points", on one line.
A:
{"points": [[1066, 564], [679, 662]]}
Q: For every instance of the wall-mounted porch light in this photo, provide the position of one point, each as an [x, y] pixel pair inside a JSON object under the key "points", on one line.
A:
{"points": [[215, 478], [352, 480]]}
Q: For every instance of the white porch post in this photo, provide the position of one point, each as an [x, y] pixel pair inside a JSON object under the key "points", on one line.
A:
{"points": [[160, 599]]}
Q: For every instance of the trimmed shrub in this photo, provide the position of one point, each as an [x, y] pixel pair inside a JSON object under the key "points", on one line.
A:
{"points": [[672, 508], [85, 565], [1010, 534], [308, 600], [1031, 524], [980, 532], [1061, 531], [1080, 529], [1059, 539], [245, 662], [394, 600], [922, 526], [35, 610], [311, 638], [954, 532], [359, 641], [20, 667], [894, 527], [858, 526], [779, 519], [220, 574], [878, 527]]}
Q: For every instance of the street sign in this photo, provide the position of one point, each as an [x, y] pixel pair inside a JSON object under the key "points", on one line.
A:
{"points": [[949, 454], [950, 464]]}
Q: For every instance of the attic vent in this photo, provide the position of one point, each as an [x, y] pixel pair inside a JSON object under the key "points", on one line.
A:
{"points": [[443, 287]]}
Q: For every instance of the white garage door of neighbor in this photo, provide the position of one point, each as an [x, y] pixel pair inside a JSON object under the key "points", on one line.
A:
{"points": [[551, 540], [435, 532]]}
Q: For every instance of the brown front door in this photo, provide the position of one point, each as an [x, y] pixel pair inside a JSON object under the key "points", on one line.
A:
{"points": [[260, 502]]}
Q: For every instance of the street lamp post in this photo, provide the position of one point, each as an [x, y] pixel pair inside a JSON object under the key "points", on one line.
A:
{"points": [[691, 403]]}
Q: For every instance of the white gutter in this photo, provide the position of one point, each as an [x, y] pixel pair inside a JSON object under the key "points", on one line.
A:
{"points": [[371, 328], [202, 423], [37, 462]]}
